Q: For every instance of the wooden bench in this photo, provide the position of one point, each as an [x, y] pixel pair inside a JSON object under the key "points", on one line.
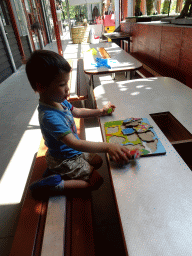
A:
{"points": [[78, 84], [147, 70], [77, 237]]}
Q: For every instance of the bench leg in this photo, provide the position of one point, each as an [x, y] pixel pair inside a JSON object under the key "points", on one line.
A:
{"points": [[91, 83], [113, 76], [129, 74]]}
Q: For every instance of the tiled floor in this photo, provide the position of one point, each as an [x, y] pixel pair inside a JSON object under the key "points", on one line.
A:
{"points": [[19, 139]]}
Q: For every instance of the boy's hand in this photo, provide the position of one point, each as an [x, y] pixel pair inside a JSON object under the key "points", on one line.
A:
{"points": [[108, 109], [119, 154]]}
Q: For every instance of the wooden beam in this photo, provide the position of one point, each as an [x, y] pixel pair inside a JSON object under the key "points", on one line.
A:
{"points": [[41, 20], [28, 24], [56, 27], [15, 28]]}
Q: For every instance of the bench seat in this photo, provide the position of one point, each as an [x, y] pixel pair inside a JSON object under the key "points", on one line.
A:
{"points": [[147, 70], [32, 233], [77, 83]]}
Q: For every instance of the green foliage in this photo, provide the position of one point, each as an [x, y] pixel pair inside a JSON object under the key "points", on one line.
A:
{"points": [[137, 4], [137, 7], [75, 11], [149, 4], [173, 7], [165, 7]]}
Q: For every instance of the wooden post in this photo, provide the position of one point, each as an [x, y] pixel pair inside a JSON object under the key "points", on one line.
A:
{"points": [[159, 6], [41, 20], [56, 27], [179, 6], [68, 15], [15, 29], [28, 24], [143, 5]]}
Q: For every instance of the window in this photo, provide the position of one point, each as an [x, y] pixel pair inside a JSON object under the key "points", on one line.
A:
{"points": [[4, 13], [21, 18]]}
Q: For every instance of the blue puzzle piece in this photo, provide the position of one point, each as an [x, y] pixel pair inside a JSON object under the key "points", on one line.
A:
{"points": [[102, 63], [128, 131]]}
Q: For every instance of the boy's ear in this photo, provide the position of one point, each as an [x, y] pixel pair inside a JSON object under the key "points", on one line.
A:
{"points": [[40, 88]]}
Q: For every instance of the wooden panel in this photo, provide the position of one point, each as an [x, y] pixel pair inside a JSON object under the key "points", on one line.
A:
{"points": [[171, 127], [184, 151], [127, 27], [3, 58], [2, 52], [170, 46], [134, 44], [166, 49], [30, 228], [153, 42], [32, 212], [82, 229], [143, 31], [5, 74], [9, 29], [4, 65], [14, 46], [2, 47], [26, 46], [185, 60], [18, 63]]}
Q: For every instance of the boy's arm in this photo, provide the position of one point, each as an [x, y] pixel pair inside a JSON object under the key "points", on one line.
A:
{"points": [[85, 112], [116, 151]]}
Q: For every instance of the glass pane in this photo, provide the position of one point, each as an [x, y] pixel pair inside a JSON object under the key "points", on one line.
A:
{"points": [[21, 17], [49, 18], [4, 13], [2, 17]]}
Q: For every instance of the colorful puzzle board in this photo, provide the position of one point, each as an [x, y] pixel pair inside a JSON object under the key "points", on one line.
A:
{"points": [[135, 133]]}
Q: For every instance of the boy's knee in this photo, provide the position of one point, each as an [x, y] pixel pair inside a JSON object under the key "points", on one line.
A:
{"points": [[97, 162]]}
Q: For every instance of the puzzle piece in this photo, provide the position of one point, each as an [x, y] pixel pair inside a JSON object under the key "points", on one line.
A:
{"points": [[147, 136], [135, 154], [142, 127], [109, 111], [102, 63], [143, 139], [131, 119], [132, 124], [128, 131], [127, 120], [93, 51]]}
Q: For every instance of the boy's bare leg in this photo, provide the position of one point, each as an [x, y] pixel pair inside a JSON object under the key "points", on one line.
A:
{"points": [[76, 184], [94, 182], [96, 162]]}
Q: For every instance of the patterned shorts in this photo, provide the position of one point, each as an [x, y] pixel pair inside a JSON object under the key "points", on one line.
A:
{"points": [[78, 167]]}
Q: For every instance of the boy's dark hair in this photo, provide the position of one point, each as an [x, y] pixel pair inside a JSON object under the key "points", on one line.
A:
{"points": [[43, 66]]}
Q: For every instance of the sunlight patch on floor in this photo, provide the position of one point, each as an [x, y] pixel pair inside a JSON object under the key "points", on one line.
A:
{"points": [[14, 179]]}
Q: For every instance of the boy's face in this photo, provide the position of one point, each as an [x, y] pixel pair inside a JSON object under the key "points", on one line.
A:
{"points": [[58, 90]]}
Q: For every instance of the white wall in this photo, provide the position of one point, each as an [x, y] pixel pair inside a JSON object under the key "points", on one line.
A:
{"points": [[130, 8], [117, 22]]}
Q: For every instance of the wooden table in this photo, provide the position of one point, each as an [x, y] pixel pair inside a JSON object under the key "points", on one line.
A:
{"points": [[153, 195], [117, 37], [119, 61]]}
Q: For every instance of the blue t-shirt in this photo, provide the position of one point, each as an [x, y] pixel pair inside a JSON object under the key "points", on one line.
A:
{"points": [[54, 125]]}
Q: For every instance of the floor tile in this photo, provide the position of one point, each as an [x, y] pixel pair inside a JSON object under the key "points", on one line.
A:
{"points": [[16, 87]]}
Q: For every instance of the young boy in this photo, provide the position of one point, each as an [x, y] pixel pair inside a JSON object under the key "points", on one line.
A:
{"points": [[48, 74]]}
